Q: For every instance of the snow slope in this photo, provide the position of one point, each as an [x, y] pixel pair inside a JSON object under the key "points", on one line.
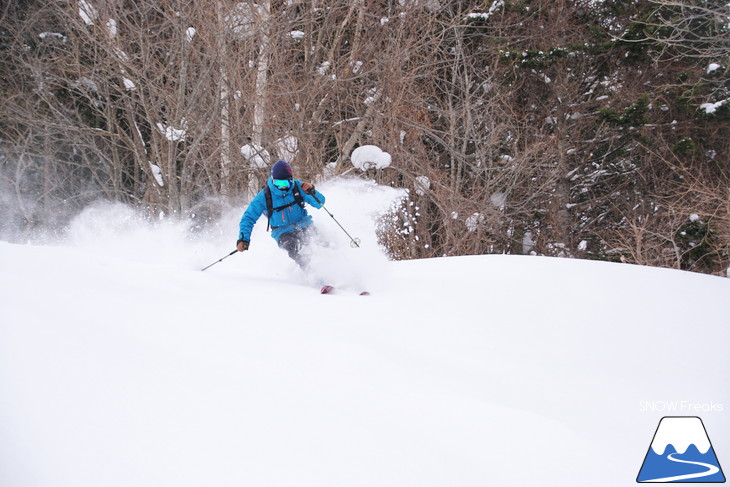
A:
{"points": [[121, 364]]}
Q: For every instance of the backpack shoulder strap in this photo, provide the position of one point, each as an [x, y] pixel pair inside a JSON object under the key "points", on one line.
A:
{"points": [[298, 196], [298, 200], [269, 206]]}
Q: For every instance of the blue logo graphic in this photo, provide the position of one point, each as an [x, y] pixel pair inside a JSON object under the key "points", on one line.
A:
{"points": [[681, 452]]}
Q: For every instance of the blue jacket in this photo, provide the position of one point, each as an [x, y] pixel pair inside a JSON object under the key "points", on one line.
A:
{"points": [[283, 221]]}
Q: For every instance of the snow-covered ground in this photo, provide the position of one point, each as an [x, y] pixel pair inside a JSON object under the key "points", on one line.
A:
{"points": [[121, 364]]}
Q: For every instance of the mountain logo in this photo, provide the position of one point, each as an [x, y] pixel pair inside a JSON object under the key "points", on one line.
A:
{"points": [[681, 452]]}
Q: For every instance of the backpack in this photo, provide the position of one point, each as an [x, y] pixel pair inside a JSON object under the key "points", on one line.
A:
{"points": [[298, 200]]}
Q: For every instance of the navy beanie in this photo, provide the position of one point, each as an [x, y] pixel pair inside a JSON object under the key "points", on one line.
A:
{"points": [[281, 170]]}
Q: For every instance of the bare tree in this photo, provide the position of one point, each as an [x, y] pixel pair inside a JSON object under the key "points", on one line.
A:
{"points": [[695, 28], [552, 127]]}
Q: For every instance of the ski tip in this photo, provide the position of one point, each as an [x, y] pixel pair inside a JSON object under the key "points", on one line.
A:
{"points": [[327, 289]]}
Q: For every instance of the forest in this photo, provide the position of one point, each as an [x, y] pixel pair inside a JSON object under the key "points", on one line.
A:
{"points": [[593, 129]]}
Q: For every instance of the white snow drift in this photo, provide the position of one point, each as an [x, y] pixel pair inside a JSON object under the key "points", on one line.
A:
{"points": [[121, 364]]}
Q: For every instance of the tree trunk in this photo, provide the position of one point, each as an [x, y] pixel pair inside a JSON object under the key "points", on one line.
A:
{"points": [[260, 91], [223, 90]]}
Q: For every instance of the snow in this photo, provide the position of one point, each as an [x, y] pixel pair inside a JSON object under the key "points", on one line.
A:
{"points": [[190, 34], [53, 35], [256, 155], [498, 199], [123, 56], [422, 185], [121, 364], [472, 222], [322, 69], [710, 108], [87, 12], [111, 27], [680, 433], [287, 147], [497, 4], [157, 173], [430, 5], [372, 97], [545, 78], [527, 243], [86, 83], [712, 67], [171, 133], [370, 157]]}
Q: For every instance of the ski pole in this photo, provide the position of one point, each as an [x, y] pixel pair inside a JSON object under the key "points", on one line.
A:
{"points": [[352, 240], [219, 260]]}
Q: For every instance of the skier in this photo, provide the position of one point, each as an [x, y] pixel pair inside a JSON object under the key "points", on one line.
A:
{"points": [[283, 200]]}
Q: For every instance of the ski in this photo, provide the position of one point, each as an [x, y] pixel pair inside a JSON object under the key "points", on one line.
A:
{"points": [[327, 289]]}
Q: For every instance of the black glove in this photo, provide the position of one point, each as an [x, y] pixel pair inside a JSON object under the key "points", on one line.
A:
{"points": [[242, 245]]}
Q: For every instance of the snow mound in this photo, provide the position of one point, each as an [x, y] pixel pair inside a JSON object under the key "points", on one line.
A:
{"points": [[256, 155], [370, 157], [122, 364]]}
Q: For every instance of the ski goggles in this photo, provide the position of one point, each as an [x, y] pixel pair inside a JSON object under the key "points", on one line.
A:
{"points": [[282, 183]]}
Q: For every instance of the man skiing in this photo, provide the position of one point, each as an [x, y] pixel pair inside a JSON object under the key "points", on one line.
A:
{"points": [[283, 200]]}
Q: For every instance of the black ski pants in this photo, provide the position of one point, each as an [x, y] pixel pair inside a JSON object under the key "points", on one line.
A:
{"points": [[294, 243]]}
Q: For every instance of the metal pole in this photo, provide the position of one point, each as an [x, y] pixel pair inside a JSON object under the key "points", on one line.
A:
{"points": [[352, 240], [219, 260]]}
